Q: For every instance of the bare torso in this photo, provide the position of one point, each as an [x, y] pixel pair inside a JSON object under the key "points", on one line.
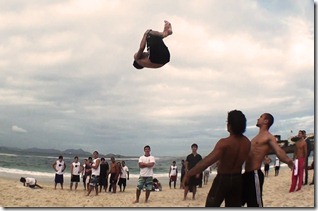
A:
{"points": [[259, 148], [300, 149]]}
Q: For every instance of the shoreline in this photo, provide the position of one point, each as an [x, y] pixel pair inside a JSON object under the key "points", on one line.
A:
{"points": [[275, 194]]}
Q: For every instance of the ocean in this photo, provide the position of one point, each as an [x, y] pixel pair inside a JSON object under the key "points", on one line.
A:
{"points": [[17, 165]]}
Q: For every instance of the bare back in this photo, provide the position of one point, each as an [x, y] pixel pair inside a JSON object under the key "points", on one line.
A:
{"points": [[235, 151]]}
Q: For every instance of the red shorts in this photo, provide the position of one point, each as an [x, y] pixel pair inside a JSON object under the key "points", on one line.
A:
{"points": [[173, 178]]}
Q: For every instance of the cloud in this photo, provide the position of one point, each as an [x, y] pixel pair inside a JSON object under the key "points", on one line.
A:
{"points": [[67, 65], [17, 129]]}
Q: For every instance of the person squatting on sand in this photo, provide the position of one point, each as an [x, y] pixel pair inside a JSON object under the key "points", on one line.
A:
{"points": [[231, 152], [146, 164], [253, 177], [157, 53], [29, 182]]}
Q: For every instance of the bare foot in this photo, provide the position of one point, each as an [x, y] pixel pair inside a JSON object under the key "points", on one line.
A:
{"points": [[167, 29], [135, 202]]}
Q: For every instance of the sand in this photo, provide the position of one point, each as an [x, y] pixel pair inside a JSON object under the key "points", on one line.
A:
{"points": [[275, 194]]}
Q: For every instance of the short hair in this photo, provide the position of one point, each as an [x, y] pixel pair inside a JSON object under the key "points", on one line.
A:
{"points": [[303, 132], [194, 145], [147, 146], [137, 66], [60, 157], [270, 119], [102, 159], [237, 120], [76, 157]]}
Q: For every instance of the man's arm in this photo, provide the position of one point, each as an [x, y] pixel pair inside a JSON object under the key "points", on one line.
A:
{"points": [[53, 165], [281, 154], [96, 164], [142, 46]]}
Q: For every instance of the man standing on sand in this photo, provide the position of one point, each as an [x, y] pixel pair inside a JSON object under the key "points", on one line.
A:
{"points": [[253, 177], [146, 164], [157, 53], [75, 172], [300, 154], [230, 153], [267, 161], [191, 160], [95, 173], [59, 166], [173, 174], [114, 174]]}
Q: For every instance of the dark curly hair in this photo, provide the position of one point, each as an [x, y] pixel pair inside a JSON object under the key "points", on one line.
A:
{"points": [[237, 121]]}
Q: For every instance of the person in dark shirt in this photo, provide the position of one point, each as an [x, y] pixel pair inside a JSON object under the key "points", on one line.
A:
{"points": [[103, 175], [191, 160]]}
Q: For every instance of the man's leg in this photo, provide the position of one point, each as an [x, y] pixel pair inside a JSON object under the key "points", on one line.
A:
{"points": [[147, 195]]}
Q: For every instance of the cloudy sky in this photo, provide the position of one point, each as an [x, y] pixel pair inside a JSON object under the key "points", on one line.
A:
{"points": [[67, 79]]}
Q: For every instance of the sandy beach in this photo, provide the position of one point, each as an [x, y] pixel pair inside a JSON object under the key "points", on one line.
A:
{"points": [[275, 194]]}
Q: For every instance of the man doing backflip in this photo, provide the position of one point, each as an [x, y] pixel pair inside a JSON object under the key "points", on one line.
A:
{"points": [[157, 53]]}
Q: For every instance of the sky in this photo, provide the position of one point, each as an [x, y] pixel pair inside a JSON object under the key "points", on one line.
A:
{"points": [[67, 80]]}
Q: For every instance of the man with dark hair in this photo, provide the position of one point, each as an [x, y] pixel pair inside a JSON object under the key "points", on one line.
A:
{"points": [[307, 157], [59, 166], [95, 173], [253, 177], [230, 153], [103, 174], [75, 172], [29, 182], [146, 164], [300, 153], [193, 181], [157, 53]]}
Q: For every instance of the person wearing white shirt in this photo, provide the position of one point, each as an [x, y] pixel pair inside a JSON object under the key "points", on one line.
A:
{"points": [[146, 164], [75, 172]]}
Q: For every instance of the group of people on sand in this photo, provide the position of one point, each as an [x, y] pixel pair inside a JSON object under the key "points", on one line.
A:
{"points": [[230, 185], [95, 173]]}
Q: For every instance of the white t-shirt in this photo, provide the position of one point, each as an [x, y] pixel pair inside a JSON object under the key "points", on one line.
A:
{"points": [[30, 181], [173, 170], [124, 171], [59, 167], [76, 168], [277, 162], [147, 171], [95, 172]]}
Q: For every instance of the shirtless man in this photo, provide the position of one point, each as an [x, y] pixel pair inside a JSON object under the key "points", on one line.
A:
{"points": [[157, 53], [114, 174], [231, 152], [260, 146], [300, 153]]}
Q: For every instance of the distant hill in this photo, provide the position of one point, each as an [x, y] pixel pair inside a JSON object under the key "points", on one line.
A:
{"points": [[55, 152]]}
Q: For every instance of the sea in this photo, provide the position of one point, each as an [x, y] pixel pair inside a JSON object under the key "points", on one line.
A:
{"points": [[40, 167]]}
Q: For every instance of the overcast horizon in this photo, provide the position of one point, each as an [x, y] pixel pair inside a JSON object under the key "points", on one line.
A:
{"points": [[68, 81]]}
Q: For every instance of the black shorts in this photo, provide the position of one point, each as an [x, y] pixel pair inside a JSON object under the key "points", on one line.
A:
{"points": [[75, 178], [250, 195], [226, 187], [112, 178], [102, 181], [122, 181], [59, 178], [277, 168], [266, 167], [158, 51]]}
